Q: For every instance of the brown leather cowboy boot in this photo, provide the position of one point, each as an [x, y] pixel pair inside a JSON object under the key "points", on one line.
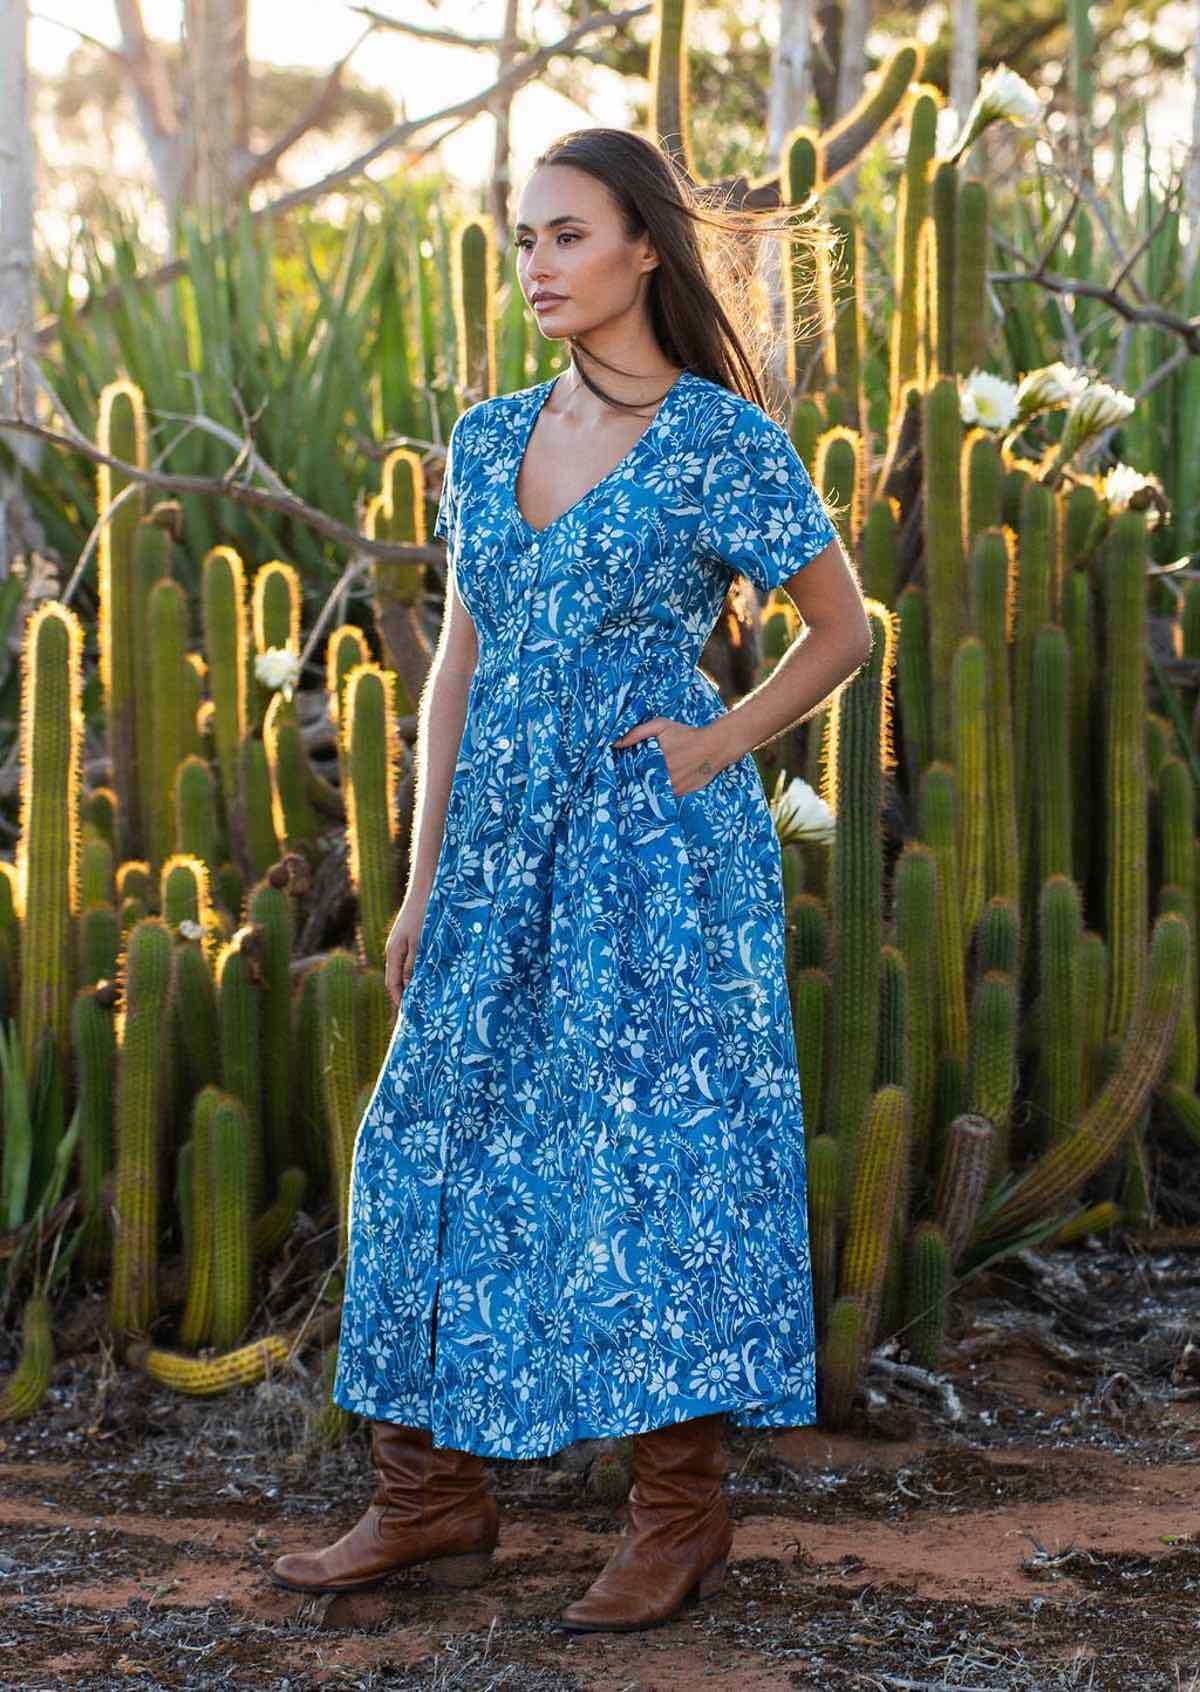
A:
{"points": [[432, 1505], [675, 1543]]}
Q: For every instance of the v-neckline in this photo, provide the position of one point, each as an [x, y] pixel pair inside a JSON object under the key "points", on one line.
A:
{"points": [[523, 447]]}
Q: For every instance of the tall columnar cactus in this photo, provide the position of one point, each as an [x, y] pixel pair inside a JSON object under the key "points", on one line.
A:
{"points": [[374, 1018], [185, 891], [938, 823], [239, 1015], [310, 1080], [839, 1371], [944, 564], [121, 434], [275, 605], [26, 1387], [943, 200], [1060, 1172], [167, 640], [97, 880], [1078, 627], [197, 831], [969, 716], [983, 487], [51, 743], [194, 1008], [1125, 786], [670, 106], [915, 917], [1035, 608], [911, 212], [223, 599], [1060, 1049], [370, 749], [1051, 769], [992, 1060], [879, 1186], [893, 1063], [473, 272], [970, 277], [841, 277], [270, 909], [231, 1178], [810, 1016], [94, 1034], [823, 1180], [962, 1181], [992, 565], [145, 977], [397, 513], [256, 806], [1177, 831], [913, 679], [195, 1324], [926, 1283], [877, 548], [339, 1043], [296, 824], [858, 752], [841, 477]]}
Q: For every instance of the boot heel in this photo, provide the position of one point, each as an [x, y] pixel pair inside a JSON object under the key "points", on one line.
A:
{"points": [[466, 1570], [713, 1579]]}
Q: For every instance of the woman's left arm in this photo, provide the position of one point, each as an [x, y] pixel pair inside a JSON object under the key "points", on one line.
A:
{"points": [[826, 593]]}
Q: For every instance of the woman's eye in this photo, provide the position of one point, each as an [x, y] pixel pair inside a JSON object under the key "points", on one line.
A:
{"points": [[523, 240]]}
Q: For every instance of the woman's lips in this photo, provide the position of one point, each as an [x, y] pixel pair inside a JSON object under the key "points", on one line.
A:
{"points": [[547, 304]]}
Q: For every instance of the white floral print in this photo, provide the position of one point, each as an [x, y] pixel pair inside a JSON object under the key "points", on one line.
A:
{"points": [[577, 1201]]}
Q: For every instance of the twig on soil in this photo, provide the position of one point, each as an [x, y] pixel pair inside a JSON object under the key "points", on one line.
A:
{"points": [[907, 1374], [924, 1685]]}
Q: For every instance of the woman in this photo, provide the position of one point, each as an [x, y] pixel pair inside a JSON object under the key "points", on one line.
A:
{"points": [[578, 1199]]}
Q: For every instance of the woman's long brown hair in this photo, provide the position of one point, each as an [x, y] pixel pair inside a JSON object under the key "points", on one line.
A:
{"points": [[707, 306]]}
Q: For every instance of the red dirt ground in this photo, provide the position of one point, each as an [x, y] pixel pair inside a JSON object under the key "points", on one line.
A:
{"points": [[1041, 1540]]}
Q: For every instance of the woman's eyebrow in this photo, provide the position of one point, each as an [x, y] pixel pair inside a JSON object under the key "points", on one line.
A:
{"points": [[551, 223]]}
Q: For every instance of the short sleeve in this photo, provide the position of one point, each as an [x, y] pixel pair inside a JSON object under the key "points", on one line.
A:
{"points": [[762, 514], [446, 521]]}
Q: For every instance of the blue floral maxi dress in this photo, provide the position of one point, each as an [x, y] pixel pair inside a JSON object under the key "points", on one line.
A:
{"points": [[577, 1202]]}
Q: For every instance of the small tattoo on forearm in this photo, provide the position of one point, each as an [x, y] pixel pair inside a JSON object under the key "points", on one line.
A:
{"points": [[705, 767]]}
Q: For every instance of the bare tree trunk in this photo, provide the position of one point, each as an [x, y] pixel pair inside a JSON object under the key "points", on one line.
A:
{"points": [[1191, 181], [852, 72], [216, 78], [964, 72], [787, 106], [827, 40], [501, 184], [852, 66], [157, 112], [16, 264]]}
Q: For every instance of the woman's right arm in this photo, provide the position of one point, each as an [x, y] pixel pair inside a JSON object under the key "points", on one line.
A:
{"points": [[441, 715]]}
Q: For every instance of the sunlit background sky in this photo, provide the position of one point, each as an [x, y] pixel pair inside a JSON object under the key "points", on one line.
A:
{"points": [[421, 77], [418, 76]]}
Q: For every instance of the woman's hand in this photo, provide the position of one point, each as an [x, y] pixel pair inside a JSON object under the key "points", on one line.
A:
{"points": [[692, 753], [400, 951]]}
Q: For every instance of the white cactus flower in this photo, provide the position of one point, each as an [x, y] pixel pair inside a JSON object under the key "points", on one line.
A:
{"points": [[988, 400], [1003, 94], [1053, 384], [1124, 487], [191, 930], [278, 667], [1098, 408], [799, 813], [1008, 95]]}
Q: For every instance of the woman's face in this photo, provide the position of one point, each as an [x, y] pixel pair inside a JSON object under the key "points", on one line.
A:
{"points": [[570, 243]]}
